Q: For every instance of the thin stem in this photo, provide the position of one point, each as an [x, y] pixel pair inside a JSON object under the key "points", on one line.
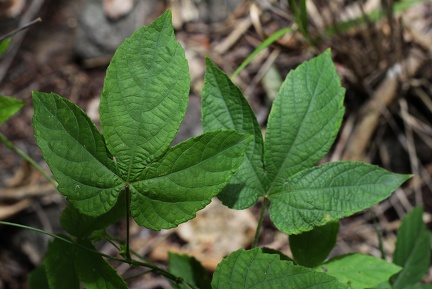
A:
{"points": [[128, 197], [260, 221], [7, 35], [12, 147], [132, 262]]}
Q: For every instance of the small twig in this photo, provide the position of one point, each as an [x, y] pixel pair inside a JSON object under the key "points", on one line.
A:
{"points": [[25, 26]]}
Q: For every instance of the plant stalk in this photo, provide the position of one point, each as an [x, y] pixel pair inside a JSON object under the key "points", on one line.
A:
{"points": [[7, 35], [260, 221], [12, 147], [128, 198], [132, 262]]}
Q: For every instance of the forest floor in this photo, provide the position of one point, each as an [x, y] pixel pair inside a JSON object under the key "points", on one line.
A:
{"points": [[385, 65]]}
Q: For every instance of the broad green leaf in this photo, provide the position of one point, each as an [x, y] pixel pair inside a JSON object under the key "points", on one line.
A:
{"points": [[4, 45], [76, 154], [224, 107], [305, 118], [412, 250], [59, 266], [145, 97], [8, 107], [255, 269], [329, 192], [37, 279], [359, 271], [94, 272], [80, 225], [175, 187], [311, 248], [190, 270]]}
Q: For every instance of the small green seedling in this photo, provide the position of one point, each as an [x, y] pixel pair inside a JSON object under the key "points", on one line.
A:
{"points": [[131, 169]]}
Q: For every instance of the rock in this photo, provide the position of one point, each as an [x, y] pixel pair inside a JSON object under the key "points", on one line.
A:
{"points": [[104, 24]]}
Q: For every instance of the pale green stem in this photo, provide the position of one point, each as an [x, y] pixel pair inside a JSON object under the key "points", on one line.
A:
{"points": [[12, 147], [260, 221]]}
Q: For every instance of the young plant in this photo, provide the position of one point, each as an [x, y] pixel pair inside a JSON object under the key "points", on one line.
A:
{"points": [[131, 169]]}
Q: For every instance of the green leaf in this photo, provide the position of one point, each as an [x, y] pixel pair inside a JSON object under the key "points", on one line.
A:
{"points": [[419, 286], [94, 272], [4, 45], [81, 226], [305, 118], [8, 107], [59, 265], [255, 269], [266, 43], [76, 154], [190, 270], [311, 248], [37, 279], [359, 271], [174, 188], [145, 97], [328, 192], [224, 107], [412, 250]]}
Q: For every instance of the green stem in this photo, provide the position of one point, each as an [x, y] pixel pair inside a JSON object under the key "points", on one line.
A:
{"points": [[25, 26], [13, 148], [132, 262], [128, 197], [260, 221]]}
